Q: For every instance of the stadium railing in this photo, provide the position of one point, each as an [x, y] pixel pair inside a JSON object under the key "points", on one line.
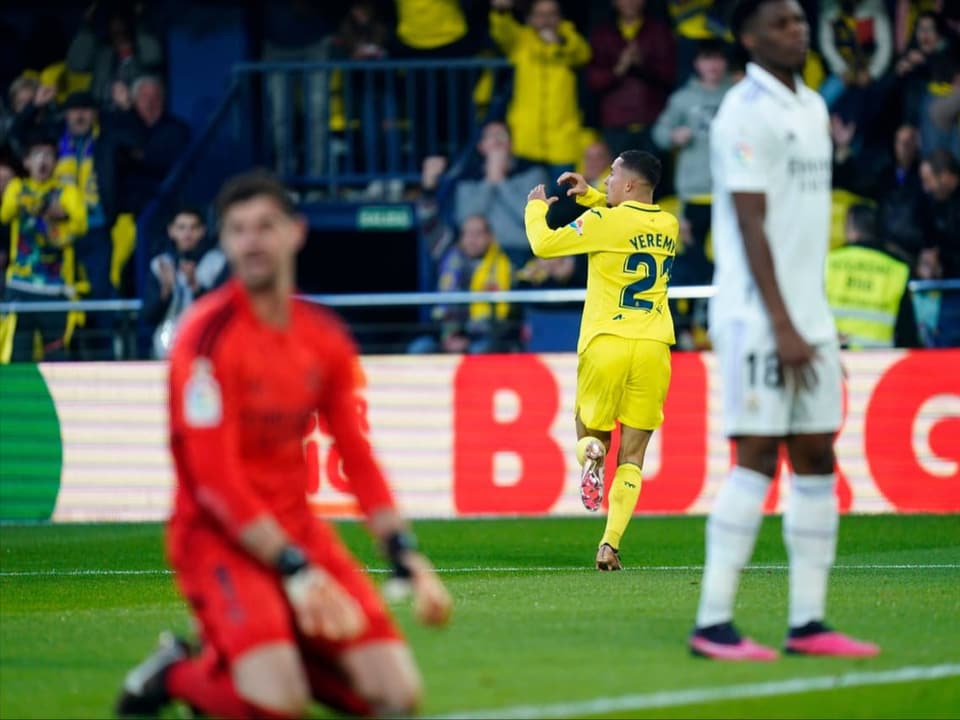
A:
{"points": [[431, 100], [361, 121], [379, 301], [374, 300]]}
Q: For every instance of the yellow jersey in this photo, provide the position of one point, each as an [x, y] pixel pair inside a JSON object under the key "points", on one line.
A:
{"points": [[428, 24], [631, 248]]}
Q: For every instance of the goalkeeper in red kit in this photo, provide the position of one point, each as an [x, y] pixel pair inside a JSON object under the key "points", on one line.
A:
{"points": [[286, 614]]}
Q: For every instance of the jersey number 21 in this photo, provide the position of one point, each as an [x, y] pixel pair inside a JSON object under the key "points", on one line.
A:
{"points": [[630, 295]]}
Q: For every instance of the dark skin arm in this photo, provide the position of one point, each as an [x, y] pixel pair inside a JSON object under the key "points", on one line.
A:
{"points": [[796, 354]]}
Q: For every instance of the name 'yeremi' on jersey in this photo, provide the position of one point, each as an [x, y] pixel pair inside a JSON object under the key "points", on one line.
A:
{"points": [[767, 139]]}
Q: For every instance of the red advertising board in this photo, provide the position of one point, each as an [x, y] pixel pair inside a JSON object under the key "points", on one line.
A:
{"points": [[494, 435]]}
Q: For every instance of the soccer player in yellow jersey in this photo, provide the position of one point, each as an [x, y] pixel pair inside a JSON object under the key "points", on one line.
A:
{"points": [[626, 330]]}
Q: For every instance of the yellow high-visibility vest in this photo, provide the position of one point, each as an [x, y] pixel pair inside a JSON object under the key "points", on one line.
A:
{"points": [[864, 288]]}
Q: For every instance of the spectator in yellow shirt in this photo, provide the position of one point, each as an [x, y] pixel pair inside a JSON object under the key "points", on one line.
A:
{"points": [[546, 53], [45, 216]]}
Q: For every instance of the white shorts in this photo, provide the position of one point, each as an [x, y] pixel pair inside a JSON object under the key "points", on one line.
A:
{"points": [[758, 400]]}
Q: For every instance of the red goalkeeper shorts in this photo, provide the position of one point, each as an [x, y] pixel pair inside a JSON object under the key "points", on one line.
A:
{"points": [[241, 605]]}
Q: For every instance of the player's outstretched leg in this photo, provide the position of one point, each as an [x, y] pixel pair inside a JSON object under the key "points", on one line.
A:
{"points": [[810, 525], [591, 454], [144, 690]]}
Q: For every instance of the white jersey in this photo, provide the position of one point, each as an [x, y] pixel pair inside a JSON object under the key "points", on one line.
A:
{"points": [[768, 139]]}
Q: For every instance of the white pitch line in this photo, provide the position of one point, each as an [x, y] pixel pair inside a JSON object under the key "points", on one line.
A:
{"points": [[79, 572], [694, 696]]}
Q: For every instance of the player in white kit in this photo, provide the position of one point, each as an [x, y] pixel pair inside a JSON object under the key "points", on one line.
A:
{"points": [[774, 335]]}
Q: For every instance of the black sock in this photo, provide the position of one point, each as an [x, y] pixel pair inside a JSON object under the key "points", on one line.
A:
{"points": [[811, 628], [723, 633]]}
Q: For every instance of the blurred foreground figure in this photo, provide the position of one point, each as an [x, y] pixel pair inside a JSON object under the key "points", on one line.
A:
{"points": [[286, 613]]}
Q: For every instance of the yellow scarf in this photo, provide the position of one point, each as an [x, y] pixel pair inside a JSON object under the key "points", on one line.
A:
{"points": [[70, 171], [493, 273]]}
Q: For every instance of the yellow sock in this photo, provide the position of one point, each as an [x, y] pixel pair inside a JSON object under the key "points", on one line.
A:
{"points": [[623, 495]]}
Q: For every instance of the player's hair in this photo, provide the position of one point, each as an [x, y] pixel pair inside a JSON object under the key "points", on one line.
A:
{"points": [[742, 13], [249, 185], [192, 211], [941, 160], [643, 164]]}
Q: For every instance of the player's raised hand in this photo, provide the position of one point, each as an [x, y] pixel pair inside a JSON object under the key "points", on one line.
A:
{"points": [[540, 193], [322, 607], [432, 603], [578, 184]]}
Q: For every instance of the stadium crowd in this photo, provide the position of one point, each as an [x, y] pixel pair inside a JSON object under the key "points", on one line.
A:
{"points": [[86, 142]]}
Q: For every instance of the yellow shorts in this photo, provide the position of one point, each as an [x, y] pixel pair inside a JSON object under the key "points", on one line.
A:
{"points": [[622, 379]]}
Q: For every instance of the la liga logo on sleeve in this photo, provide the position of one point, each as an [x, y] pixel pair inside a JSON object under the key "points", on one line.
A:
{"points": [[202, 402], [577, 226], [743, 153]]}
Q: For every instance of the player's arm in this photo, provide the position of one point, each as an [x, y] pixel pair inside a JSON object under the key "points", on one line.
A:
{"points": [[580, 236], [592, 198], [794, 351], [432, 602], [744, 153], [205, 422], [369, 486]]}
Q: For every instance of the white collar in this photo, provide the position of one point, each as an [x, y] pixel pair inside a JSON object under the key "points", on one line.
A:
{"points": [[775, 87]]}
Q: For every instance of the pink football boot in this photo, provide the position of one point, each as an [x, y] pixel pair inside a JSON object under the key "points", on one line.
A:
{"points": [[830, 643], [591, 476]]}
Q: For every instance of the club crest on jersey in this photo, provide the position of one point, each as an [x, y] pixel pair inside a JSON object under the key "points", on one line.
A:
{"points": [[743, 153], [577, 226], [202, 403]]}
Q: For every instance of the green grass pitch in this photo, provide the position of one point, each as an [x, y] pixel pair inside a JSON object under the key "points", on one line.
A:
{"points": [[536, 632]]}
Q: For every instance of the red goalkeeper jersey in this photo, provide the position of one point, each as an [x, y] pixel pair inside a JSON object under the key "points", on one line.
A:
{"points": [[242, 394]]}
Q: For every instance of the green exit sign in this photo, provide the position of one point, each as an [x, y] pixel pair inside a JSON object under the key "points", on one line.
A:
{"points": [[385, 217]]}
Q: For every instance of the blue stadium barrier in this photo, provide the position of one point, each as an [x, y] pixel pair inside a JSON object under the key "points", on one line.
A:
{"points": [[375, 300], [360, 121]]}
